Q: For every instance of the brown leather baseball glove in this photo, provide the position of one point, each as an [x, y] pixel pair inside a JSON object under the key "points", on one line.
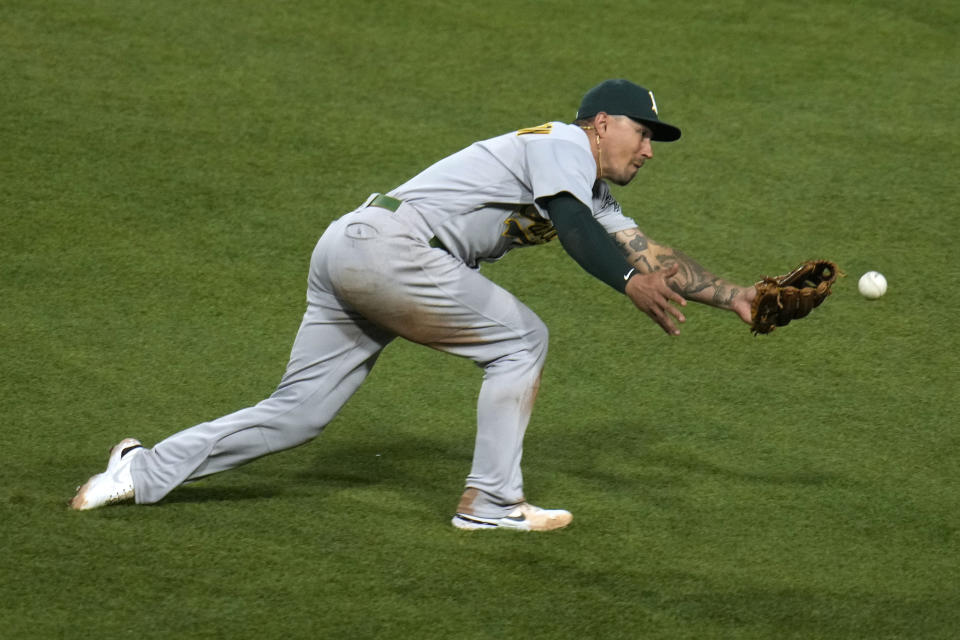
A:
{"points": [[784, 298]]}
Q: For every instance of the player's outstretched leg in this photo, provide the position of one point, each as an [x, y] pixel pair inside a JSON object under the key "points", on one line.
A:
{"points": [[333, 353]]}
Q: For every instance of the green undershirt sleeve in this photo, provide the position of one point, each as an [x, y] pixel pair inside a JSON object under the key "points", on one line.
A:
{"points": [[586, 241]]}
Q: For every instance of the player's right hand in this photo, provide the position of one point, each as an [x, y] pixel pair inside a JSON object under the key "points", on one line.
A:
{"points": [[651, 294]]}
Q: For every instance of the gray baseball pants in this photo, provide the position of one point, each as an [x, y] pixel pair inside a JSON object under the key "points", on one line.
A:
{"points": [[374, 277]]}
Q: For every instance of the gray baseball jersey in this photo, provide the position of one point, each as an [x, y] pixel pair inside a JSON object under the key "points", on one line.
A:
{"points": [[482, 201]]}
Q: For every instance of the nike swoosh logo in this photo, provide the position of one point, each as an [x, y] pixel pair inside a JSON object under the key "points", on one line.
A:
{"points": [[629, 273]]}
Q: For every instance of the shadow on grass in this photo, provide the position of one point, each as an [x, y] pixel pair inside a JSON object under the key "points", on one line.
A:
{"points": [[429, 466], [694, 464], [635, 457], [198, 493]]}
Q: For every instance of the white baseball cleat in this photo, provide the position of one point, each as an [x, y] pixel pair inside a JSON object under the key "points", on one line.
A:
{"points": [[113, 485], [525, 517]]}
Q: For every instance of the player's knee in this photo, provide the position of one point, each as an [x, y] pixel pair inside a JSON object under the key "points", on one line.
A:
{"points": [[297, 426], [525, 349], [538, 337], [530, 350], [287, 434]]}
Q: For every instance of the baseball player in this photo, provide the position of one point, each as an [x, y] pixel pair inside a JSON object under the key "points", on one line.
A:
{"points": [[405, 263]]}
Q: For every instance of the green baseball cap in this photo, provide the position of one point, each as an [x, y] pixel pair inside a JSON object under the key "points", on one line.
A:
{"points": [[624, 98]]}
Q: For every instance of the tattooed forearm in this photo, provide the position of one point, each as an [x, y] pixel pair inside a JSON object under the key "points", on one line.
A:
{"points": [[633, 245], [691, 281], [694, 282], [638, 242], [691, 278], [724, 296]]}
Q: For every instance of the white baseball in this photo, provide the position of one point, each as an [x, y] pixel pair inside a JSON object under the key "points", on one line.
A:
{"points": [[872, 285]]}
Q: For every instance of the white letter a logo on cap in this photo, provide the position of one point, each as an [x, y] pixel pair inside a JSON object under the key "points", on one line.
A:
{"points": [[653, 103]]}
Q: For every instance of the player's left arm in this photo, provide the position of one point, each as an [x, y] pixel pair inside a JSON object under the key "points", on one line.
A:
{"points": [[691, 281]]}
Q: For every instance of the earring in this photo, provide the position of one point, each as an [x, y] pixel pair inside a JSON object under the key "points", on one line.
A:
{"points": [[599, 157]]}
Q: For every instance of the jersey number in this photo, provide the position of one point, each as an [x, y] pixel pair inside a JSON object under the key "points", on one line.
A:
{"points": [[542, 129]]}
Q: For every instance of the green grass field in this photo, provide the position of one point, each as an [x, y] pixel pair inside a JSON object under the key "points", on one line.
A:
{"points": [[167, 168]]}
